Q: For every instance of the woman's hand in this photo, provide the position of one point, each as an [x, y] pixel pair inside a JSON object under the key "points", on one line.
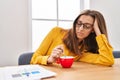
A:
{"points": [[57, 51], [96, 28]]}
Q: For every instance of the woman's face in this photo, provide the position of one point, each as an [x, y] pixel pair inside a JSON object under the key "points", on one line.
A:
{"points": [[84, 26]]}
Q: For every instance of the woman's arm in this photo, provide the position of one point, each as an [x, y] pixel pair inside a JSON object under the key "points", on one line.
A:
{"points": [[105, 49], [41, 54], [105, 56]]}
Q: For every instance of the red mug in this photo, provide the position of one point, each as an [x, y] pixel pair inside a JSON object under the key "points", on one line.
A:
{"points": [[66, 61]]}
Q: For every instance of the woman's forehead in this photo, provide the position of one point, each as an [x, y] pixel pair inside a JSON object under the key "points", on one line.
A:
{"points": [[86, 19]]}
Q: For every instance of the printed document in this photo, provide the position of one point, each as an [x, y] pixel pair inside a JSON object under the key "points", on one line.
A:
{"points": [[25, 72]]}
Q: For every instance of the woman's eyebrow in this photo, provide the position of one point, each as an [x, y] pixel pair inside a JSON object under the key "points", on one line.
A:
{"points": [[84, 23]]}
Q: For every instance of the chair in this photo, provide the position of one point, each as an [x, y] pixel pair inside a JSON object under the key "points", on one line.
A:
{"points": [[25, 58], [116, 54]]}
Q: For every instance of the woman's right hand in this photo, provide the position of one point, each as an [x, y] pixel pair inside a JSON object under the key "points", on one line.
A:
{"points": [[57, 51]]}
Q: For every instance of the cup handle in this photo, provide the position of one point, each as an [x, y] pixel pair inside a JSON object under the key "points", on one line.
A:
{"points": [[58, 61]]}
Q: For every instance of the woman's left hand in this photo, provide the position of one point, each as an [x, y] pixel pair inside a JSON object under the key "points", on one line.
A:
{"points": [[96, 28]]}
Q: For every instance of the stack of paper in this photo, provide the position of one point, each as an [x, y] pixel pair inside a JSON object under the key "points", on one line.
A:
{"points": [[25, 72]]}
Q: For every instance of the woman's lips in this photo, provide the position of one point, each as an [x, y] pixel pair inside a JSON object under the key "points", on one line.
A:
{"points": [[80, 33]]}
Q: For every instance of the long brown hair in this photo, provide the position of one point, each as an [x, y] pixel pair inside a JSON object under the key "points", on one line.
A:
{"points": [[89, 43]]}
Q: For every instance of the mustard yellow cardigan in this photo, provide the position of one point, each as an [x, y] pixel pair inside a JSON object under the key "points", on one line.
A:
{"points": [[54, 38]]}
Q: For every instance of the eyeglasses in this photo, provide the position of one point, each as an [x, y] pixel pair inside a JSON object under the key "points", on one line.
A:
{"points": [[86, 26]]}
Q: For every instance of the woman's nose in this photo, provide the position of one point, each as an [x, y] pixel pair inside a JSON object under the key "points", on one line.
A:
{"points": [[81, 27]]}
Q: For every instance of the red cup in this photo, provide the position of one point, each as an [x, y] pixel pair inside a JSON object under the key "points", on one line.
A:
{"points": [[58, 61], [66, 61]]}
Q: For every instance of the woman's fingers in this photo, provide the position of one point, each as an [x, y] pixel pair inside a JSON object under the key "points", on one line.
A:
{"points": [[58, 50], [56, 53], [96, 28]]}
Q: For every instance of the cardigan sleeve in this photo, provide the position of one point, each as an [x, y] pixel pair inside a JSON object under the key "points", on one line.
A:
{"points": [[105, 56], [41, 54]]}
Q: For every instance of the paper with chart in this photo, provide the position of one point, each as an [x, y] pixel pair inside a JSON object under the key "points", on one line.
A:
{"points": [[25, 72]]}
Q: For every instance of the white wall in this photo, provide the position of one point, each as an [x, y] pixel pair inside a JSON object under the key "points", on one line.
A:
{"points": [[14, 30], [111, 12]]}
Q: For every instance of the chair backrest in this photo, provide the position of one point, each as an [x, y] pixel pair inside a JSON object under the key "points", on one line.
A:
{"points": [[116, 54], [25, 58]]}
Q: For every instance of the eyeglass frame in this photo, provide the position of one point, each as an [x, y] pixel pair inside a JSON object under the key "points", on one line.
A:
{"points": [[86, 26]]}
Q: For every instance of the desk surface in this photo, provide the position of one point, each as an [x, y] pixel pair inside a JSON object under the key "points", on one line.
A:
{"points": [[85, 71]]}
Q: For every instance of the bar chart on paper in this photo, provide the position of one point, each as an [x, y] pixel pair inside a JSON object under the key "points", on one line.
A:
{"points": [[25, 72]]}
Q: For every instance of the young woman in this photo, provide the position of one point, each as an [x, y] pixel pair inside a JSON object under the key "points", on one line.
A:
{"points": [[87, 41]]}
